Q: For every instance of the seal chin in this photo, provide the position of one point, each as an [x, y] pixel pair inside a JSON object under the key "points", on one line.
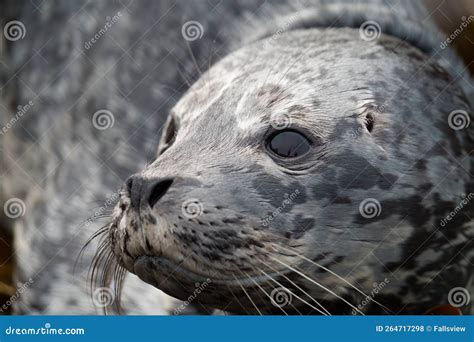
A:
{"points": [[177, 281], [181, 283], [167, 275]]}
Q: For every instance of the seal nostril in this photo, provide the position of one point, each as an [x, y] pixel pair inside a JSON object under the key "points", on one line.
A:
{"points": [[128, 184], [134, 187], [369, 122], [158, 190]]}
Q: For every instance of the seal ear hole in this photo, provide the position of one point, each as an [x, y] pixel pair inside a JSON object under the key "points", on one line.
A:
{"points": [[369, 122]]}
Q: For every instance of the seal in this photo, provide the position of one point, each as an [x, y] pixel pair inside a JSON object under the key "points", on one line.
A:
{"points": [[80, 115], [308, 172]]}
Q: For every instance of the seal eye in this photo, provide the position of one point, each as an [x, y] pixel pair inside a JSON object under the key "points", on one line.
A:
{"points": [[288, 144]]}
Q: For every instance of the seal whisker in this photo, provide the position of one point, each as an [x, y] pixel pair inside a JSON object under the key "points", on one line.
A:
{"points": [[104, 229], [193, 58], [293, 294], [280, 285], [237, 299], [93, 218], [119, 277], [324, 312], [318, 284], [248, 296], [263, 290], [339, 277], [104, 269], [184, 77], [112, 274], [197, 303]]}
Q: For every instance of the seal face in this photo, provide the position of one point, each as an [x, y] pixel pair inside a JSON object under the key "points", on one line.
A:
{"points": [[309, 169]]}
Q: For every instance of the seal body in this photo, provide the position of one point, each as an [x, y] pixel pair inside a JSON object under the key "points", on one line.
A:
{"points": [[362, 212]]}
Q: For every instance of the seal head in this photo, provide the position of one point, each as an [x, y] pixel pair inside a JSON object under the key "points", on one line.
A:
{"points": [[301, 172]]}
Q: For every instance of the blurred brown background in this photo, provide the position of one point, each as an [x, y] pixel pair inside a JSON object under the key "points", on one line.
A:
{"points": [[449, 15]]}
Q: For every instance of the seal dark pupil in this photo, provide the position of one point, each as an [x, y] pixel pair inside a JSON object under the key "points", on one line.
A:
{"points": [[289, 144]]}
